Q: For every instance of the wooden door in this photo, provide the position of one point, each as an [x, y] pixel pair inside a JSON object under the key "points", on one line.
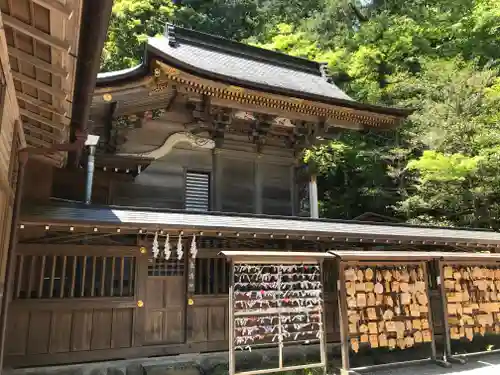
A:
{"points": [[165, 305]]}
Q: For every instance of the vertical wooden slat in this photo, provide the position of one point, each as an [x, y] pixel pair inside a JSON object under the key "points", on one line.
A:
{"points": [[20, 275], [103, 277], [52, 276], [131, 275], [224, 276], [200, 276], [31, 275], [122, 274], [63, 276], [207, 276], [92, 291], [84, 274], [111, 286], [73, 277], [216, 276], [42, 277]]}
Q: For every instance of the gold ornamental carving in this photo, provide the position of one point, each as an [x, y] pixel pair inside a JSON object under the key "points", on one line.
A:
{"points": [[236, 89]]}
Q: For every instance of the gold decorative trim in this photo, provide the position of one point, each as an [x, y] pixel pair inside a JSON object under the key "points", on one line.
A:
{"points": [[236, 89], [291, 104]]}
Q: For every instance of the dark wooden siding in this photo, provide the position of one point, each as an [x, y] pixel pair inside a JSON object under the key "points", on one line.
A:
{"points": [[238, 190], [276, 189], [163, 183], [71, 299]]}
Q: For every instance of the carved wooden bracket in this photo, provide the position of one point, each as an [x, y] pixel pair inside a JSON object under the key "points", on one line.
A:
{"points": [[170, 142]]}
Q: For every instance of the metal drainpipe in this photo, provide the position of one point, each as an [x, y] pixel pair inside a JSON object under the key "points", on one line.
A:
{"points": [[313, 197], [90, 174], [11, 253]]}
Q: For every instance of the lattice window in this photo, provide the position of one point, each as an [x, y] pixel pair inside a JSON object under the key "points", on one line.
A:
{"points": [[165, 267], [212, 276], [59, 276]]}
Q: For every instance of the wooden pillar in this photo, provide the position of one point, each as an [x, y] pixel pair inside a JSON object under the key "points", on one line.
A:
{"points": [[258, 185], [313, 197], [217, 180], [294, 198]]}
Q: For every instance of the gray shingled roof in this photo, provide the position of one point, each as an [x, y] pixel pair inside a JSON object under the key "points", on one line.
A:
{"points": [[212, 57], [137, 218], [245, 68]]}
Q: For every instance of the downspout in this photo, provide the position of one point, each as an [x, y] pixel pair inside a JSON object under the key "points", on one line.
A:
{"points": [[90, 174], [11, 253], [313, 197], [92, 141]]}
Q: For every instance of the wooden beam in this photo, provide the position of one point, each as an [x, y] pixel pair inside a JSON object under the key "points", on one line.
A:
{"points": [[56, 6], [35, 33], [36, 62], [36, 130], [41, 119], [33, 141], [40, 104], [39, 85]]}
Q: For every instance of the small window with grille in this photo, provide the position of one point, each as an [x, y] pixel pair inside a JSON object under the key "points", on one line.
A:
{"points": [[197, 197], [165, 267]]}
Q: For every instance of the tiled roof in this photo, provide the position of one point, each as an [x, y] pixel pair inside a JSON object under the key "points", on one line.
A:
{"points": [[250, 65], [233, 63], [149, 219]]}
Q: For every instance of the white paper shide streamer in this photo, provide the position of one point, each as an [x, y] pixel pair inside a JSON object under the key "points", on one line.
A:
{"points": [[156, 247], [193, 250], [166, 248], [180, 252]]}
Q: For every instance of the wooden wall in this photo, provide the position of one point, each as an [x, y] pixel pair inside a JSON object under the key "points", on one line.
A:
{"points": [[77, 303], [70, 301], [11, 140], [241, 180]]}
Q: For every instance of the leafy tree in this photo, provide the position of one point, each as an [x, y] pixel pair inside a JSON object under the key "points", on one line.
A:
{"points": [[132, 21]]}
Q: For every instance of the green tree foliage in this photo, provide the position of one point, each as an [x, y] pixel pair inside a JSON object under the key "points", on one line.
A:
{"points": [[439, 57]]}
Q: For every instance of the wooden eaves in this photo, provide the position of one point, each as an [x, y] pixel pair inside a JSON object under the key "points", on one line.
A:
{"points": [[54, 48], [448, 256], [274, 256]]}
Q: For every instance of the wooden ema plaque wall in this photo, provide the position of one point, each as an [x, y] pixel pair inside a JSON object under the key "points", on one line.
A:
{"points": [[384, 305], [471, 300], [387, 306]]}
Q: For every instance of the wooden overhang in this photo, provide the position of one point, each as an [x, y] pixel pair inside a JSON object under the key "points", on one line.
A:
{"points": [[112, 218], [242, 77], [401, 256], [350, 255], [274, 256], [474, 257], [54, 48]]}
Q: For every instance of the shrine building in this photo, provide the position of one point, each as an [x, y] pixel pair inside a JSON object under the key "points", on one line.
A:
{"points": [[122, 250]]}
